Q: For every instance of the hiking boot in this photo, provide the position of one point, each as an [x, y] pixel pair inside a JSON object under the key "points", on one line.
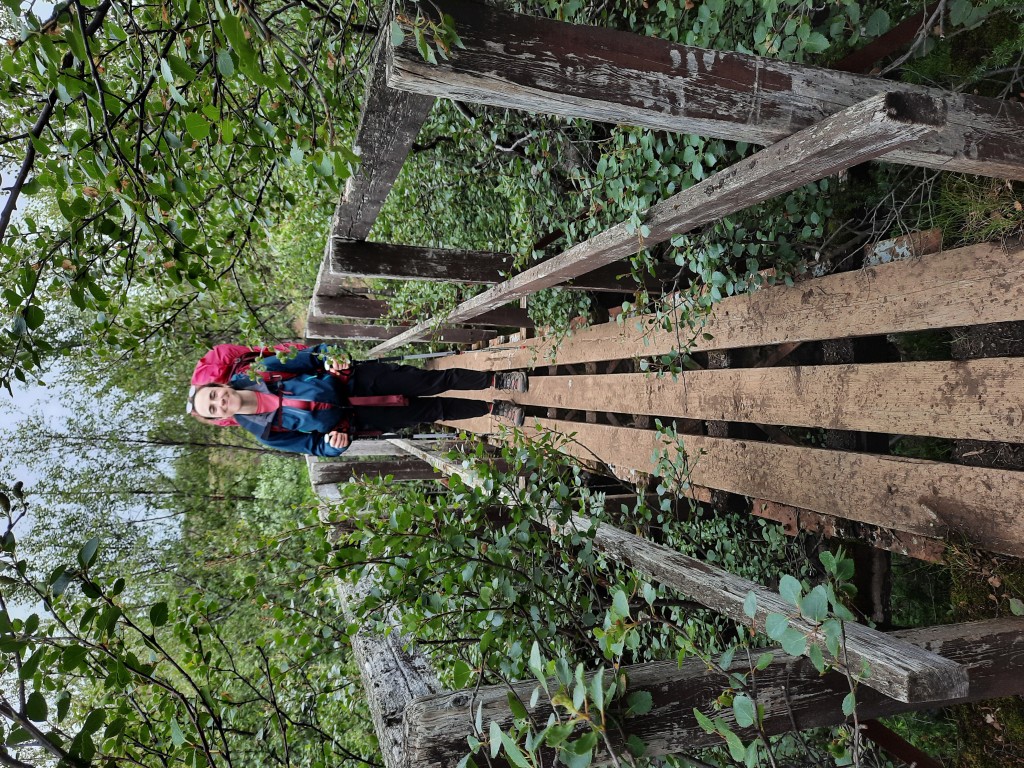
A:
{"points": [[508, 413], [511, 381]]}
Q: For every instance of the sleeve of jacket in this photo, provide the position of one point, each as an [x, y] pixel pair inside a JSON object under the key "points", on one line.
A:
{"points": [[313, 443], [305, 361]]}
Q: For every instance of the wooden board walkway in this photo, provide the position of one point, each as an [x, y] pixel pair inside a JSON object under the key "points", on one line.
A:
{"points": [[977, 399], [966, 286]]}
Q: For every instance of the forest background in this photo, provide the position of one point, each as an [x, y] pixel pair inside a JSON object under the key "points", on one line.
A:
{"points": [[168, 592]]}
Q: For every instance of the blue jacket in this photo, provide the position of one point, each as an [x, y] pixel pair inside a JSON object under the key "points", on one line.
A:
{"points": [[294, 429]]}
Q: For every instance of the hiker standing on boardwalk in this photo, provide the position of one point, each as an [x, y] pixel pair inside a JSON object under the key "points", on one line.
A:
{"points": [[311, 402]]}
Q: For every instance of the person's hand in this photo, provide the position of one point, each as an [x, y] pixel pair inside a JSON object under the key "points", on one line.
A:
{"points": [[338, 364], [337, 439]]}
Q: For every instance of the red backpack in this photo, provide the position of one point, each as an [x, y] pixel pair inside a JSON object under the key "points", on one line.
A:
{"points": [[224, 361]]}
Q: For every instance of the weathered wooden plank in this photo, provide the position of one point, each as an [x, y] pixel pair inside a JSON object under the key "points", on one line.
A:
{"points": [[387, 128], [794, 520], [328, 308], [541, 65], [400, 467], [928, 498], [991, 651], [898, 669], [977, 399], [393, 670], [852, 136], [327, 331], [967, 286], [409, 262]]}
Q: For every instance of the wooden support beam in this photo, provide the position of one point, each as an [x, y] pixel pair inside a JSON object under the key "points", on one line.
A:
{"points": [[790, 689], [402, 468], [898, 669], [967, 286], [327, 331], [857, 134], [794, 520], [368, 260], [387, 128], [328, 308], [927, 498], [541, 65], [393, 670], [976, 399]]}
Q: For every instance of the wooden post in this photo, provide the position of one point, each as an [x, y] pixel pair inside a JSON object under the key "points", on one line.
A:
{"points": [[790, 689], [387, 128], [852, 136], [541, 65], [900, 670]]}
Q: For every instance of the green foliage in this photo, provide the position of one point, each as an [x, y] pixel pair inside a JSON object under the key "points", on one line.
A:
{"points": [[239, 671], [164, 141]]}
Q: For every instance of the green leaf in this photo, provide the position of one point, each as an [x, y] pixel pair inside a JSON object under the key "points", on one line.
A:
{"points": [[516, 706], [620, 604], [397, 34], [513, 752], [1016, 607], [814, 605], [793, 642], [704, 721], [635, 745], [744, 710], [35, 707], [158, 614], [87, 553], [736, 748], [231, 25], [790, 589], [764, 661], [34, 317], [849, 703], [225, 64], [165, 70], [816, 43], [640, 702], [750, 605], [495, 738], [197, 126], [775, 625], [597, 690], [462, 672], [177, 737], [877, 24], [817, 658]]}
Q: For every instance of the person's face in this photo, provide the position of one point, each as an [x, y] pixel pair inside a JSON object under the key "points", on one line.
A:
{"points": [[217, 402]]}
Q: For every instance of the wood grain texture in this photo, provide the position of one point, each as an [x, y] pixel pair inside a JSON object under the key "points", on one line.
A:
{"points": [[387, 128], [991, 651], [326, 308], [846, 138], [966, 286], [898, 669], [541, 65], [393, 670], [928, 498], [325, 330], [978, 399], [364, 259]]}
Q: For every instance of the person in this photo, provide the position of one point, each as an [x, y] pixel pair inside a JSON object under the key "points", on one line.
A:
{"points": [[332, 400]]}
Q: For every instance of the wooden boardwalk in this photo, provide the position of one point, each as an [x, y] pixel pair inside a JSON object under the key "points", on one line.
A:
{"points": [[606, 418]]}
